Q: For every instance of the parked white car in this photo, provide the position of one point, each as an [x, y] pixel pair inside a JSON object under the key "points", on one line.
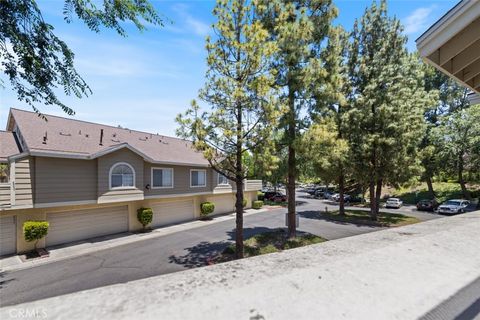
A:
{"points": [[453, 206], [394, 203]]}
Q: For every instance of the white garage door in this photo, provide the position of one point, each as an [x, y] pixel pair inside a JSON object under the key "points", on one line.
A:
{"points": [[224, 204], [8, 243], [165, 213], [84, 224]]}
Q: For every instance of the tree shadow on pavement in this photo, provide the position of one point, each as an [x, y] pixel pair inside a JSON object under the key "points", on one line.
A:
{"points": [[316, 215], [202, 253]]}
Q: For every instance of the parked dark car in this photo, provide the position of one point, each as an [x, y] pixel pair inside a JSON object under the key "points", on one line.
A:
{"points": [[427, 205], [275, 196], [279, 197], [354, 199]]}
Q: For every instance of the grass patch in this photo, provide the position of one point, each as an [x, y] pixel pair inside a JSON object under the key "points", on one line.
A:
{"points": [[270, 242], [443, 192], [385, 219], [273, 203]]}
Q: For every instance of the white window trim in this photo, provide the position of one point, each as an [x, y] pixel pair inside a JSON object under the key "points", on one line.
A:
{"points": [[200, 186], [161, 168], [110, 177], [218, 180]]}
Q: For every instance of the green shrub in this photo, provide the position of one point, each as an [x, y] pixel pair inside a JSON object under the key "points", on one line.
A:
{"points": [[206, 208], [244, 202], [260, 196], [145, 216], [257, 204], [35, 230]]}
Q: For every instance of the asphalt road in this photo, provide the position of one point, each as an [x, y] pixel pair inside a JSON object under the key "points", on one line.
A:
{"points": [[166, 254]]}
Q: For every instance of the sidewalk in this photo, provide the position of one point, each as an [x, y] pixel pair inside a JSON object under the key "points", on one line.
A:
{"points": [[76, 249]]}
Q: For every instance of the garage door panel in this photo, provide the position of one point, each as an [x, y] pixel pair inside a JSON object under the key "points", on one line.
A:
{"points": [[8, 235], [166, 213], [84, 224], [224, 204]]}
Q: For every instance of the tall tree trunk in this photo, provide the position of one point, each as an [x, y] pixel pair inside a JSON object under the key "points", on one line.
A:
{"points": [[239, 220], [428, 179], [461, 181], [378, 195], [373, 207], [291, 167], [341, 186]]}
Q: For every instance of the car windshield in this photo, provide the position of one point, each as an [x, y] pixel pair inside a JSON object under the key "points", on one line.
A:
{"points": [[393, 200], [452, 203]]}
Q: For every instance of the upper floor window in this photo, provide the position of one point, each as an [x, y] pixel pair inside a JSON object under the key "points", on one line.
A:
{"points": [[162, 178], [222, 179], [122, 175], [198, 178]]}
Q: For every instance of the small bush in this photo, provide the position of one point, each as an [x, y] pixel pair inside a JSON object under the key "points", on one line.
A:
{"points": [[206, 208], [257, 204], [244, 202], [35, 230], [145, 216], [260, 196]]}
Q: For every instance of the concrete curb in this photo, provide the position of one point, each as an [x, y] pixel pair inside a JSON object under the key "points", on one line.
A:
{"points": [[15, 263]]}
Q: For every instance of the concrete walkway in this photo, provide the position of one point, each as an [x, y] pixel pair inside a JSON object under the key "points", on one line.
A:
{"points": [[399, 273]]}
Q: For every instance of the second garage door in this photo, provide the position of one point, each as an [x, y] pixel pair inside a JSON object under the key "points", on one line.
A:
{"points": [[165, 213], [84, 224], [7, 236], [224, 204]]}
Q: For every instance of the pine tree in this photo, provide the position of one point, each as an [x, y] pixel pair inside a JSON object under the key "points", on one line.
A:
{"points": [[386, 118], [450, 97], [331, 101], [460, 143], [240, 92], [298, 28]]}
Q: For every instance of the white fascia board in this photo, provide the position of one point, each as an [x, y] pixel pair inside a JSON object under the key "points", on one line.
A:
{"points": [[448, 26]]}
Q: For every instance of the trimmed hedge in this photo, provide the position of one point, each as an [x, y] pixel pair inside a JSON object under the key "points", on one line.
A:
{"points": [[260, 196], [257, 204], [145, 216], [206, 208], [35, 230], [244, 202]]}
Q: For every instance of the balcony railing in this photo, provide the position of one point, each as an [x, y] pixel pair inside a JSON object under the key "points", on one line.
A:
{"points": [[253, 185], [5, 199]]}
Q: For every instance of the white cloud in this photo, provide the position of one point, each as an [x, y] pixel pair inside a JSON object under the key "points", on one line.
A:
{"points": [[418, 20], [191, 24]]}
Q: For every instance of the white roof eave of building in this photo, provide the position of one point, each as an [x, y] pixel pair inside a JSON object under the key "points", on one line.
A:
{"points": [[448, 26]]}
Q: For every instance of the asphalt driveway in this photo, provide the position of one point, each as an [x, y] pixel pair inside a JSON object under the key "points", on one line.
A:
{"points": [[165, 254]]}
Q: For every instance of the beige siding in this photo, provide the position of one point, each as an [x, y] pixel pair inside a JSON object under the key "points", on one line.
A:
{"points": [[104, 165], [4, 194], [24, 181], [181, 181], [64, 180]]}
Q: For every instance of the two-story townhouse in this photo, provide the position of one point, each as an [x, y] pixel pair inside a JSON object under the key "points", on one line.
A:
{"points": [[88, 180]]}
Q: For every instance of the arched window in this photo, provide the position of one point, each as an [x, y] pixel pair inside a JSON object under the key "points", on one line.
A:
{"points": [[122, 175]]}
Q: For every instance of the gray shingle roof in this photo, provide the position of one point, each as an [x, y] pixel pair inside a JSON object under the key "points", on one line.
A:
{"points": [[8, 145], [82, 139]]}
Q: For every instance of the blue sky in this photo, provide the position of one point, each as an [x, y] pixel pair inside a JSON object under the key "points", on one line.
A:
{"points": [[144, 80]]}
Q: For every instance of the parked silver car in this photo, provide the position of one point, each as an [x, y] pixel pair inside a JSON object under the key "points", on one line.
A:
{"points": [[394, 203], [454, 206]]}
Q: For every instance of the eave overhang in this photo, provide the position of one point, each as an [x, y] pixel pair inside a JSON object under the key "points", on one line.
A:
{"points": [[452, 44]]}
